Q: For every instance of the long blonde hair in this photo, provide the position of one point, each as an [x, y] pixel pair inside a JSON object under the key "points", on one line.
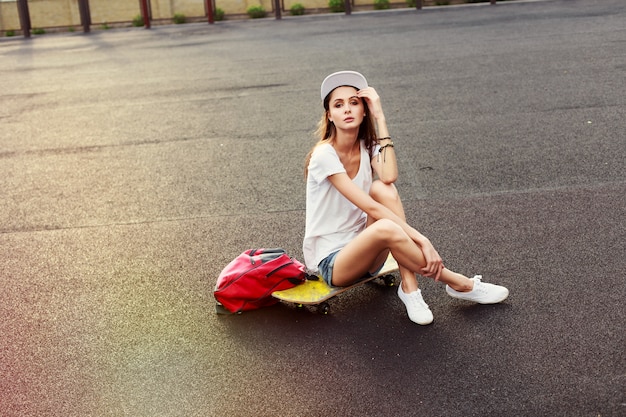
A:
{"points": [[326, 132]]}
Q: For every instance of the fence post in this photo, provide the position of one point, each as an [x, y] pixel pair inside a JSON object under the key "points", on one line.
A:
{"points": [[85, 15], [418, 4], [277, 9], [145, 13], [348, 7], [23, 12], [209, 11]]}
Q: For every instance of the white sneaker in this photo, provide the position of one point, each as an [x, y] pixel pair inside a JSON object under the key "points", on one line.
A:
{"points": [[416, 307], [482, 292]]}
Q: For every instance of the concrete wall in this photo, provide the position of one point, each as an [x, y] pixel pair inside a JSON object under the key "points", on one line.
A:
{"points": [[110, 11], [64, 13], [9, 19], [43, 13]]}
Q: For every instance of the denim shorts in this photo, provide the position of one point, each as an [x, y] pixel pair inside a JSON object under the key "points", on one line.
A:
{"points": [[326, 267], [327, 264]]}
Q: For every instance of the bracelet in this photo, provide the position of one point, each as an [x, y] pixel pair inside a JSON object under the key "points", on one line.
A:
{"points": [[386, 137], [389, 145]]}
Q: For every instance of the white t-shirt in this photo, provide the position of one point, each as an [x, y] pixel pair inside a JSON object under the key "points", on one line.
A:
{"points": [[331, 219]]}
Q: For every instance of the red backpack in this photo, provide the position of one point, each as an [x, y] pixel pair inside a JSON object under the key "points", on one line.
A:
{"points": [[248, 281]]}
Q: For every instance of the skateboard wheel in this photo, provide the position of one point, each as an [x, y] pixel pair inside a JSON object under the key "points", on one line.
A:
{"points": [[389, 280], [323, 308]]}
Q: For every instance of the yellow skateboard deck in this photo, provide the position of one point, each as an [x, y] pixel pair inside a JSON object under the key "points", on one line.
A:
{"points": [[317, 291]]}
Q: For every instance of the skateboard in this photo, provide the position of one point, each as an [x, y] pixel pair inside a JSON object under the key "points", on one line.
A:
{"points": [[315, 291]]}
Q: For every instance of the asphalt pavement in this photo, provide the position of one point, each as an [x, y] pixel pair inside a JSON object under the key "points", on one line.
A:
{"points": [[135, 164]]}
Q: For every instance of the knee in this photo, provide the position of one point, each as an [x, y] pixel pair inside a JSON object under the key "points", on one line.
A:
{"points": [[389, 231], [384, 193]]}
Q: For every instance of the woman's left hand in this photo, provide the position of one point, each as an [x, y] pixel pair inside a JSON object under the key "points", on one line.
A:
{"points": [[373, 101], [434, 263]]}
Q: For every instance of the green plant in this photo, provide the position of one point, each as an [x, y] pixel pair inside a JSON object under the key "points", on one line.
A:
{"points": [[297, 9], [105, 26], [256, 12], [219, 14], [381, 4], [71, 29], [179, 18], [138, 21], [337, 6], [10, 33], [38, 31]]}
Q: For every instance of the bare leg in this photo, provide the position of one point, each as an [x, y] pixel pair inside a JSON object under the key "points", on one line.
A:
{"points": [[378, 238], [456, 281], [353, 262], [388, 196], [349, 265]]}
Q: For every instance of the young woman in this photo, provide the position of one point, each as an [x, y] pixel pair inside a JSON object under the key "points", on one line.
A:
{"points": [[354, 221]]}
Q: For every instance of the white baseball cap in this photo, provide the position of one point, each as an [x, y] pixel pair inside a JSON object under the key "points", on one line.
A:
{"points": [[343, 78]]}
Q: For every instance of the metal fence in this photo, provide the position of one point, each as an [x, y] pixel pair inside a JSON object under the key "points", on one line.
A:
{"points": [[146, 13]]}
